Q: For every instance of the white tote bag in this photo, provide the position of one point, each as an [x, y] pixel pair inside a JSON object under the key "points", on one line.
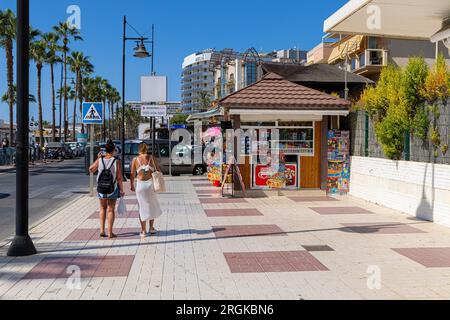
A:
{"points": [[158, 180], [122, 207]]}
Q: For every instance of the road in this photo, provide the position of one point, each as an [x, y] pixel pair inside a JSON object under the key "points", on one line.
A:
{"points": [[51, 186]]}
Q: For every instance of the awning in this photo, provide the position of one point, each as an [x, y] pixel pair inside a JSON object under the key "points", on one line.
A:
{"points": [[352, 45], [206, 115], [409, 19]]}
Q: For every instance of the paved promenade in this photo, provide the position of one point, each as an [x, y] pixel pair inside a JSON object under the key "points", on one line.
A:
{"points": [[304, 247]]}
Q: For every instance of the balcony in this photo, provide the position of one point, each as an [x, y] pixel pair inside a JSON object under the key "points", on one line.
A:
{"points": [[369, 62]]}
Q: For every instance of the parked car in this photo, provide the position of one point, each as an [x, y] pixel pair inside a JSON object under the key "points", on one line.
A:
{"points": [[163, 155], [58, 150], [76, 149]]}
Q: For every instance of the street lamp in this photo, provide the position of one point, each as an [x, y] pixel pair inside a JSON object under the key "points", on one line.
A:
{"points": [[140, 52], [22, 245]]}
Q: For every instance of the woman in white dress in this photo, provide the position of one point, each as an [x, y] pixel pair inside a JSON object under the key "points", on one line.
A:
{"points": [[142, 169]]}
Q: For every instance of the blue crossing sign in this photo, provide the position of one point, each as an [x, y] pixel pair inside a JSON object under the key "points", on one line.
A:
{"points": [[93, 113]]}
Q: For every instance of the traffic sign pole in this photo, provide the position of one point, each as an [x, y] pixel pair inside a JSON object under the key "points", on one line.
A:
{"points": [[91, 178], [92, 114]]}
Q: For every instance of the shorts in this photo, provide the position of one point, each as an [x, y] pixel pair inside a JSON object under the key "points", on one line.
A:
{"points": [[114, 196]]}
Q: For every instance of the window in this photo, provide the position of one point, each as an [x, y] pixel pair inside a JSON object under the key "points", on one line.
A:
{"points": [[372, 43], [164, 151], [132, 149], [250, 73], [362, 60]]}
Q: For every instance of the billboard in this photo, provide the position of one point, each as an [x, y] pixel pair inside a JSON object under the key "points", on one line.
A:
{"points": [[154, 89]]}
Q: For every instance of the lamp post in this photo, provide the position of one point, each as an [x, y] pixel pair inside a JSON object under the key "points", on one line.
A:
{"points": [[22, 245], [140, 52]]}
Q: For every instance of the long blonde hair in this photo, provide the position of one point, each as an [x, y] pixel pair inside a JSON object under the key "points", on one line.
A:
{"points": [[143, 148]]}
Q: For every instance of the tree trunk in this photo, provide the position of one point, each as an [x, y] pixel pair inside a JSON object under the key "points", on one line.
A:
{"points": [[104, 120], [118, 132], [52, 75], [41, 127], [10, 82], [80, 96], [66, 99], [74, 122]]}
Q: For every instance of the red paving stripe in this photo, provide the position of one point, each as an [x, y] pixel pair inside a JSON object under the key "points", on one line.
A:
{"points": [[284, 261], [382, 228], [94, 234], [428, 257], [340, 210], [318, 248], [90, 266], [233, 213], [129, 215], [313, 199], [222, 201], [248, 231]]}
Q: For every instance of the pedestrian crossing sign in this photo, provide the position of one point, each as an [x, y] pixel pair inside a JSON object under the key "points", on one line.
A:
{"points": [[92, 113]]}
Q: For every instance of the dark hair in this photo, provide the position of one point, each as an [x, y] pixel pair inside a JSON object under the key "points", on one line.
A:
{"points": [[110, 146]]}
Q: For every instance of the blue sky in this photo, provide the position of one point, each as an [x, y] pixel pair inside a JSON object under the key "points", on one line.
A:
{"points": [[182, 27]]}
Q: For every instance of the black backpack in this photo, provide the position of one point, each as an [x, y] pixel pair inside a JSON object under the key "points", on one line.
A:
{"points": [[106, 182]]}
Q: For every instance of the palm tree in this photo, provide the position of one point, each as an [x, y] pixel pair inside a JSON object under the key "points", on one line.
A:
{"points": [[72, 96], [38, 53], [8, 23], [51, 39], [5, 97], [114, 99], [66, 33], [80, 65]]}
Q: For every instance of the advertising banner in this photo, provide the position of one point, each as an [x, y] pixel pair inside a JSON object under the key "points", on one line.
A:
{"points": [[265, 177], [338, 162]]}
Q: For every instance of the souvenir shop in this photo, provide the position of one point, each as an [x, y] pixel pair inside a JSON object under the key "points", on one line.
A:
{"points": [[301, 124]]}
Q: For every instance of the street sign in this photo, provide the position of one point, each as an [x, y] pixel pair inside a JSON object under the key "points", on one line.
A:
{"points": [[93, 113], [157, 111]]}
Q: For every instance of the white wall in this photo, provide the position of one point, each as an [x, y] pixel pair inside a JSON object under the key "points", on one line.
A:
{"points": [[419, 189]]}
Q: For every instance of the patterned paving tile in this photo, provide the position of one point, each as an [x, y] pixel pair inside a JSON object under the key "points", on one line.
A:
{"points": [[222, 200], [317, 248], [215, 191], [428, 257], [233, 213], [198, 185], [382, 228], [93, 234], [313, 199], [131, 201], [129, 215], [248, 231], [90, 266], [340, 210], [199, 180], [281, 261]]}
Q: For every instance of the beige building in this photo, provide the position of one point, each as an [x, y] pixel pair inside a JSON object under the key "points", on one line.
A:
{"points": [[234, 73], [367, 55]]}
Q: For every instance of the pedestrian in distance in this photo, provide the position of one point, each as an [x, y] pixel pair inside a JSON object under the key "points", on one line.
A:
{"points": [[142, 169], [109, 187]]}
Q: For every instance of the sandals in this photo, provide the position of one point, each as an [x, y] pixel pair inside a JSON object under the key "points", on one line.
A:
{"points": [[112, 236], [154, 231], [103, 235]]}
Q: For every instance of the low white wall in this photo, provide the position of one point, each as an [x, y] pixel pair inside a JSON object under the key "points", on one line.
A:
{"points": [[419, 189]]}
